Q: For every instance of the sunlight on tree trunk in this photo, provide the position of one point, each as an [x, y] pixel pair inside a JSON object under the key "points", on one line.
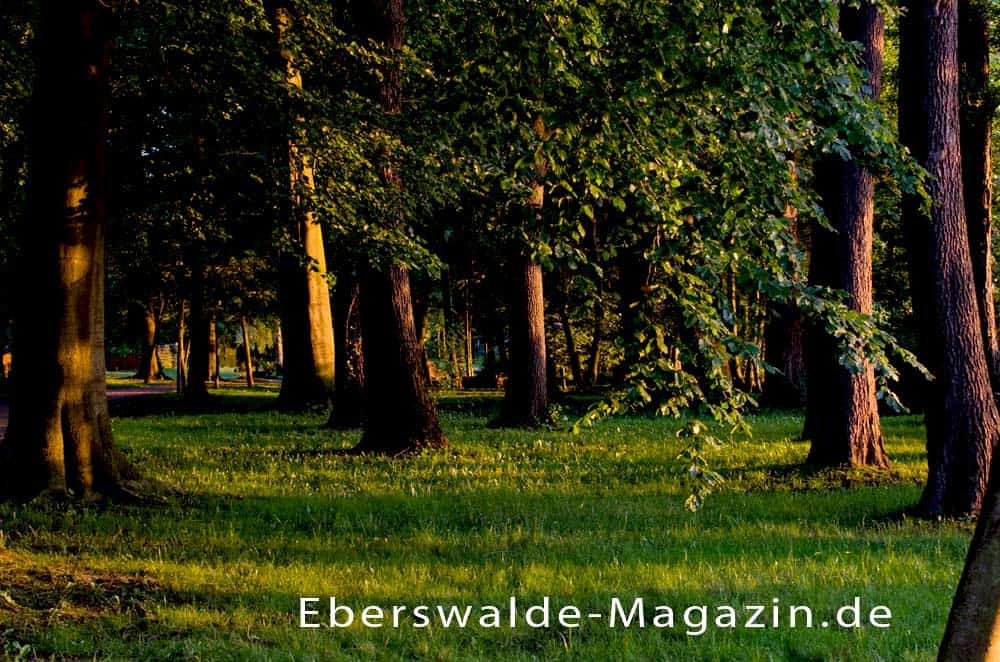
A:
{"points": [[59, 439]]}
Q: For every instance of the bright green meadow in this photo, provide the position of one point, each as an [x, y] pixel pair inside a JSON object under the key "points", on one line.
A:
{"points": [[269, 511]]}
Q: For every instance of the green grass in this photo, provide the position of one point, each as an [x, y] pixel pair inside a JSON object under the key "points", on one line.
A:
{"points": [[271, 512]]}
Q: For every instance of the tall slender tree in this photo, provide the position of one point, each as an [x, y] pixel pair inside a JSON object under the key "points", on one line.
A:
{"points": [[842, 410], [526, 393], [961, 418], [399, 413], [306, 318], [59, 437]]}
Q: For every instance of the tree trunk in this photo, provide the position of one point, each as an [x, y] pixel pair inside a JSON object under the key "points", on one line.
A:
{"points": [[59, 439], [181, 356], [597, 330], [976, 112], [213, 352], [196, 387], [467, 328], [526, 396], [973, 630], [149, 365], [575, 368], [842, 406], [399, 412], [247, 354], [306, 320], [348, 383], [279, 348], [961, 419], [596, 338]]}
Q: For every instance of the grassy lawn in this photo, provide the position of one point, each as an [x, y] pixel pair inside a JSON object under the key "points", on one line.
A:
{"points": [[271, 512]]}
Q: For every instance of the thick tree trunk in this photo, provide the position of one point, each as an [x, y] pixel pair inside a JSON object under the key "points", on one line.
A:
{"points": [[976, 112], [247, 353], [306, 319], [399, 412], [348, 384], [842, 408], [973, 630], [961, 419], [526, 395], [59, 438]]}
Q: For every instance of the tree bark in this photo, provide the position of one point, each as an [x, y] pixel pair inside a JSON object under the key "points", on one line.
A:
{"points": [[247, 353], [961, 418], [279, 348], [973, 630], [196, 387], [399, 412], [149, 364], [526, 396], [181, 357], [59, 438], [842, 408], [976, 111], [213, 352], [348, 398], [306, 319], [467, 329]]}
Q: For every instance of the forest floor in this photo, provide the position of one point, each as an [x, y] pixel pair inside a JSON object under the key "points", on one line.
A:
{"points": [[270, 512]]}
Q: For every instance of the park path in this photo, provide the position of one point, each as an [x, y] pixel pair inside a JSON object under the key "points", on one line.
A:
{"points": [[113, 394]]}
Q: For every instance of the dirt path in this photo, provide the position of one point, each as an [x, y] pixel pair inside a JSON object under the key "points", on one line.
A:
{"points": [[113, 394]]}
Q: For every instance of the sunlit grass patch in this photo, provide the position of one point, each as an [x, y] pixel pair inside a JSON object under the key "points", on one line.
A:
{"points": [[271, 512]]}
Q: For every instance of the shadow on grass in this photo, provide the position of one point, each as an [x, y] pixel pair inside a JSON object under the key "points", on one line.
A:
{"points": [[163, 404]]}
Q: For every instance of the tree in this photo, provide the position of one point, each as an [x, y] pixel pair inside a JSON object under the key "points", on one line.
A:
{"points": [[306, 318], [349, 377], [842, 411], [973, 630], [526, 393], [59, 439], [961, 418], [976, 110], [399, 412], [149, 361]]}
